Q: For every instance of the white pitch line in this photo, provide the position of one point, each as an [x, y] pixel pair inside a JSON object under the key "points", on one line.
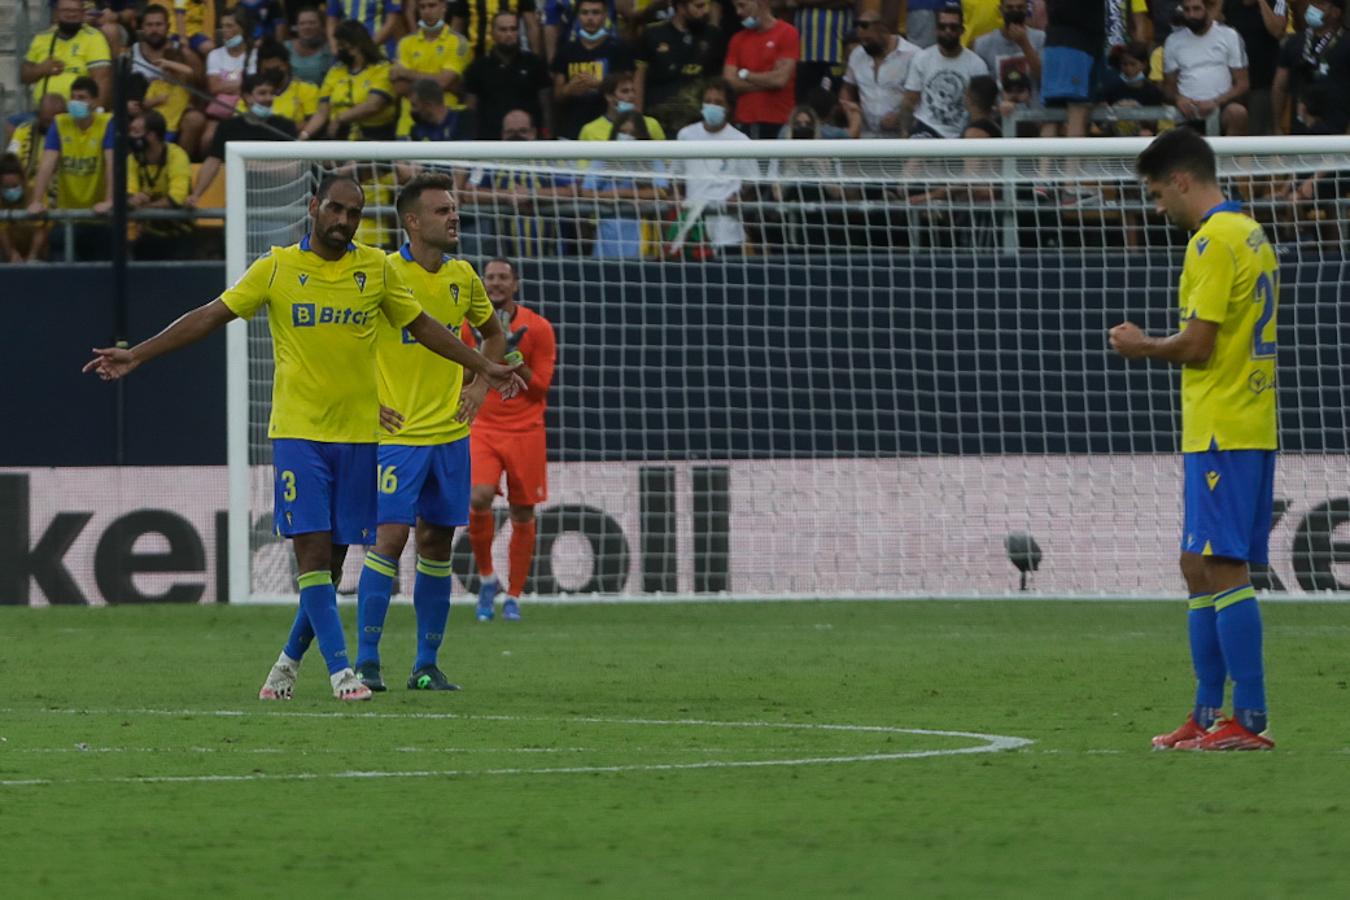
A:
{"points": [[992, 743]]}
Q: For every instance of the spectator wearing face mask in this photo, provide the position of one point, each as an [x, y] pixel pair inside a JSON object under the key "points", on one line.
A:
{"points": [[623, 188], [620, 97], [674, 59], [1133, 90], [1262, 25], [711, 188], [581, 65], [1013, 46], [875, 78], [258, 124], [78, 154], [935, 88], [67, 51], [356, 101], [159, 176], [22, 240], [811, 189], [1319, 54], [1205, 69], [761, 68]]}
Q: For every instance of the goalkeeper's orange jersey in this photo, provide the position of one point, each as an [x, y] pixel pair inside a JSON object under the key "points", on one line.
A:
{"points": [[525, 411]]}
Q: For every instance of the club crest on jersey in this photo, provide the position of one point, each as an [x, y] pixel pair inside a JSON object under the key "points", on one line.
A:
{"points": [[454, 292], [303, 278], [360, 280]]}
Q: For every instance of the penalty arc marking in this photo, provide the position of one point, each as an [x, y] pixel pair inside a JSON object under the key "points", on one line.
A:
{"points": [[986, 743]]}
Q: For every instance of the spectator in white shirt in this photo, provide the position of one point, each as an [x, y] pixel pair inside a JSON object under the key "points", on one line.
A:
{"points": [[934, 104], [1205, 68], [875, 78], [712, 187]]}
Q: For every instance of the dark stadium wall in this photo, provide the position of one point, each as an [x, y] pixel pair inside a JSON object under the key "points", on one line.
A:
{"points": [[956, 356]]}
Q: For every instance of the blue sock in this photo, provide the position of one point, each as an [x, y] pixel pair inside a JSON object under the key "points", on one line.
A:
{"points": [[302, 635], [431, 601], [1207, 658], [372, 605], [318, 600], [1239, 620]]}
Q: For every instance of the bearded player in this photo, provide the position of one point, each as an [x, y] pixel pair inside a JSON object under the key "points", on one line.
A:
{"points": [[508, 440], [1226, 349], [424, 462]]}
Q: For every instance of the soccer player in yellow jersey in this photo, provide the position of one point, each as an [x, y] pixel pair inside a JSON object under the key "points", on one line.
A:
{"points": [[1226, 348], [424, 463], [324, 298]]}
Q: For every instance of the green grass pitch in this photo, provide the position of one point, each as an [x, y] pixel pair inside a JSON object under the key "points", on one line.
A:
{"points": [[668, 751]]}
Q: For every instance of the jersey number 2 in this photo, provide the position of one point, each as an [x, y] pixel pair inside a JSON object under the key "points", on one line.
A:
{"points": [[1266, 287]]}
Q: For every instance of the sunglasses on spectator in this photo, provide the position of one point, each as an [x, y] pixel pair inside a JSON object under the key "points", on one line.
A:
{"points": [[949, 27]]}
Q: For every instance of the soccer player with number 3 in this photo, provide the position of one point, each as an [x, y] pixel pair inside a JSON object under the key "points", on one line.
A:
{"points": [[324, 297], [508, 439], [1226, 348], [424, 460]]}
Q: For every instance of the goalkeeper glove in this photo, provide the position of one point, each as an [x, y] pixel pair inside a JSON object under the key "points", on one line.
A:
{"points": [[513, 354]]}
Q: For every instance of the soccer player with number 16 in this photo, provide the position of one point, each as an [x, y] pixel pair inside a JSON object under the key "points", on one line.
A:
{"points": [[1226, 348]]}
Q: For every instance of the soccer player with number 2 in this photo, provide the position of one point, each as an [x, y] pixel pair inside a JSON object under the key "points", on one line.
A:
{"points": [[323, 298], [1226, 348]]}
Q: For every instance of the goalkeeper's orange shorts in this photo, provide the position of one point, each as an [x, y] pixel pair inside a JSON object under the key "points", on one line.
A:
{"points": [[521, 455]]}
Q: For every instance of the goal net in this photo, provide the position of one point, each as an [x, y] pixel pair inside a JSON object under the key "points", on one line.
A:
{"points": [[844, 368]]}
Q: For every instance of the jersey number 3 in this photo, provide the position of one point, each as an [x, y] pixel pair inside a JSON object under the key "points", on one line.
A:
{"points": [[1266, 288]]}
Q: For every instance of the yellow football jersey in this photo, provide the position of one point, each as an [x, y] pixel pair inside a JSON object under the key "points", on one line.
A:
{"points": [[323, 317], [83, 168], [298, 102], [419, 384], [343, 89], [1231, 277], [448, 51], [88, 49]]}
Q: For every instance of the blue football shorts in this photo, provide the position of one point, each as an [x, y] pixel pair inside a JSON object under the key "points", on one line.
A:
{"points": [[1230, 499], [1068, 75], [325, 487], [430, 483]]}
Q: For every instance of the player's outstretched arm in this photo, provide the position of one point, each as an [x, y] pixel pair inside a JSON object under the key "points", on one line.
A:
{"points": [[1191, 345], [441, 341], [111, 363], [492, 342]]}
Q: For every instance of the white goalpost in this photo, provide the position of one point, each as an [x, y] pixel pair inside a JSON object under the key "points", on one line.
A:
{"points": [[829, 369]]}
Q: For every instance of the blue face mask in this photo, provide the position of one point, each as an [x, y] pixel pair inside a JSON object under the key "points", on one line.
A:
{"points": [[714, 115], [12, 195], [623, 106], [234, 42], [1135, 78], [1314, 17], [591, 35], [750, 22], [431, 26], [259, 110], [78, 109]]}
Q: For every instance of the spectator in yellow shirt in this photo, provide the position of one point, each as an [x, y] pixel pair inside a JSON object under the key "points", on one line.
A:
{"points": [[68, 50], [194, 23], [620, 92], [24, 240], [356, 101], [80, 143], [168, 73], [28, 139], [432, 51], [159, 176]]}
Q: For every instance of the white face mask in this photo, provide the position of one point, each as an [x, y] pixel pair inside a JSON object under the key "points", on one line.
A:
{"points": [[625, 136], [431, 26]]}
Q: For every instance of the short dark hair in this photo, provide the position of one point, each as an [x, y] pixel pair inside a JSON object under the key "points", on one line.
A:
{"points": [[427, 90], [639, 125], [270, 48], [1136, 50], [719, 84], [581, 3], [254, 81], [328, 182], [952, 8], [1177, 150], [154, 123], [10, 165], [155, 8], [353, 33], [509, 263], [86, 84], [611, 82], [419, 185], [984, 91]]}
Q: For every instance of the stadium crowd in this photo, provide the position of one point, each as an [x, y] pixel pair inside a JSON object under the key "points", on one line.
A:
{"points": [[522, 70]]}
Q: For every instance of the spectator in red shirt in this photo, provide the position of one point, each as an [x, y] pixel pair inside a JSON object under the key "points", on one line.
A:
{"points": [[761, 67]]}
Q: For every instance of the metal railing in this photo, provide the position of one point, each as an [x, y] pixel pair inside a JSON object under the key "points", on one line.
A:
{"points": [[68, 219], [1107, 115]]}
